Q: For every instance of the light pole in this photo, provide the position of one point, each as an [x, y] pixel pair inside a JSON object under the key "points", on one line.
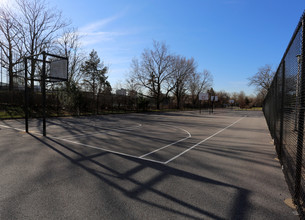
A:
{"points": [[1, 68], [1, 65], [299, 59]]}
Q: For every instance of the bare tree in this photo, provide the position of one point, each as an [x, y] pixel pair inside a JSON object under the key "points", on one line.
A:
{"points": [[241, 99], [10, 44], [199, 82], [132, 86], [183, 69], [68, 45], [39, 26], [259, 100], [153, 71], [223, 98], [262, 79]]}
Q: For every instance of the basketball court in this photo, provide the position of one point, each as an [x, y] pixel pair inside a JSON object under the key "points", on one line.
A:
{"points": [[182, 165]]}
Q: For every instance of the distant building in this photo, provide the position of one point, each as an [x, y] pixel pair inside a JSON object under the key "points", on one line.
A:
{"points": [[122, 92], [132, 93]]}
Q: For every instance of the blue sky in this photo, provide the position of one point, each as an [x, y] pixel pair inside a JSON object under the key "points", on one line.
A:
{"points": [[230, 38]]}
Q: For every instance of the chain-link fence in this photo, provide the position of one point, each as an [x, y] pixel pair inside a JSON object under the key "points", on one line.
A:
{"points": [[61, 102], [284, 108]]}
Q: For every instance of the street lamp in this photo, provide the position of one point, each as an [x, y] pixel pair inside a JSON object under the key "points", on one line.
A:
{"points": [[299, 60], [299, 57], [1, 68], [1, 64]]}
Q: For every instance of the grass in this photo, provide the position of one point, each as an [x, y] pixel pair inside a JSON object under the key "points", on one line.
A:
{"points": [[251, 109], [5, 115], [11, 112]]}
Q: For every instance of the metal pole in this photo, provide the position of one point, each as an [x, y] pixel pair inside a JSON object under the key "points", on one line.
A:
{"points": [[297, 93], [1, 67], [26, 99], [44, 93], [282, 114], [274, 114], [299, 155]]}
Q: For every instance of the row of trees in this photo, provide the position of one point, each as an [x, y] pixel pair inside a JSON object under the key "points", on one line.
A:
{"points": [[159, 73]]}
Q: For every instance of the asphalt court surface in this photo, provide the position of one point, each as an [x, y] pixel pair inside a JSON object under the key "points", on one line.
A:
{"points": [[158, 138], [176, 165]]}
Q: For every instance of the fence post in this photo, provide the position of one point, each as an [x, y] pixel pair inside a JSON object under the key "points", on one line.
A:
{"points": [[282, 113], [299, 155]]}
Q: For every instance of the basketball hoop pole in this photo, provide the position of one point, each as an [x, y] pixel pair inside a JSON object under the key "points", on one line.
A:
{"points": [[43, 80]]}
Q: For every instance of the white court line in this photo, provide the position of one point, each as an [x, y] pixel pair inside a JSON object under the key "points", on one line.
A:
{"points": [[189, 135], [129, 155], [110, 151], [18, 129], [115, 129], [86, 145], [175, 157]]}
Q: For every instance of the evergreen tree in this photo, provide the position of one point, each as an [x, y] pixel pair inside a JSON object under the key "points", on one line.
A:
{"points": [[94, 73]]}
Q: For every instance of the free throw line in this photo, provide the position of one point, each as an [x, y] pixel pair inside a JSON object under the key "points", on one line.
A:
{"points": [[86, 145], [106, 150]]}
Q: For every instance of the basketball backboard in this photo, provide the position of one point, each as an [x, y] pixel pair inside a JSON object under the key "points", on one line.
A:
{"points": [[203, 96], [58, 70]]}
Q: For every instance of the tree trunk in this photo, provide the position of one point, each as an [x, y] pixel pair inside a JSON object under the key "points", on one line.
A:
{"points": [[11, 78], [158, 95], [32, 75], [97, 102], [158, 105], [194, 101], [178, 100]]}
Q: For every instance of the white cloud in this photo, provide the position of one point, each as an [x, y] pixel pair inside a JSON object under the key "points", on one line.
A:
{"points": [[95, 26], [98, 37], [96, 32]]}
